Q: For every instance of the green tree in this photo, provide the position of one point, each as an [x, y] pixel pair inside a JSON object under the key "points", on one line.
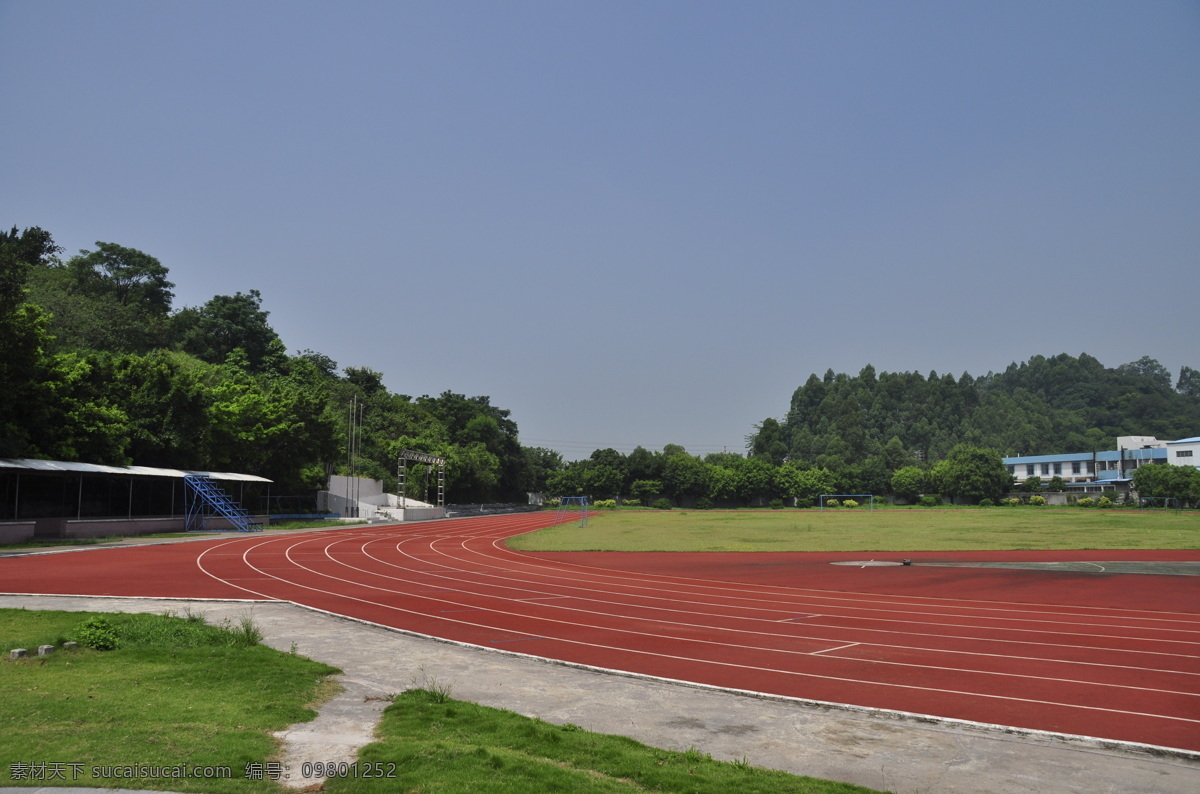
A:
{"points": [[909, 482], [1165, 480], [27, 375], [645, 490], [1189, 382], [808, 484], [754, 479], [130, 276], [540, 463], [86, 424], [91, 319], [683, 476], [972, 474], [642, 464], [767, 443], [1148, 369], [566, 482], [227, 323], [164, 403], [602, 480], [720, 481], [473, 473], [895, 456], [269, 426]]}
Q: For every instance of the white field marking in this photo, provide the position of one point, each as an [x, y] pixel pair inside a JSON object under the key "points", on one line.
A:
{"points": [[327, 537], [876, 605], [881, 603], [499, 551], [441, 536], [1041, 660], [696, 641], [739, 666], [1059, 628], [498, 545], [821, 625], [839, 648], [884, 607]]}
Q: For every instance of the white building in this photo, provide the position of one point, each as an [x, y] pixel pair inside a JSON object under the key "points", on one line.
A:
{"points": [[1184, 452]]}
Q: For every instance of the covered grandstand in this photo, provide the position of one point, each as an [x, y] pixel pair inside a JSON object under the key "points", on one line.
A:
{"points": [[48, 499]]}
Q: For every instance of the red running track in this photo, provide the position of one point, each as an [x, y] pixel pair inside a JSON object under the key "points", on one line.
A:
{"points": [[1110, 656]]}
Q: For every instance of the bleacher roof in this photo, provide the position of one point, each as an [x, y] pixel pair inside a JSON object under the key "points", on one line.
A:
{"points": [[56, 466]]}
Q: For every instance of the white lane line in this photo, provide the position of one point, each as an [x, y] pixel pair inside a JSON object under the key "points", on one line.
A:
{"points": [[736, 665], [697, 641], [839, 648]]}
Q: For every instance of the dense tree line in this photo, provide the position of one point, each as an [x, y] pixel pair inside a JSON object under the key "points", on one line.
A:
{"points": [[1042, 406], [97, 365], [906, 434], [967, 474]]}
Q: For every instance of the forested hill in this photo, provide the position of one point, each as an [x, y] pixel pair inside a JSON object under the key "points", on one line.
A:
{"points": [[98, 365], [1042, 406]]}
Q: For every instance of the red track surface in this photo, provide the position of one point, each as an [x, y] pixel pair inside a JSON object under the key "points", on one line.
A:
{"points": [[1112, 656]]}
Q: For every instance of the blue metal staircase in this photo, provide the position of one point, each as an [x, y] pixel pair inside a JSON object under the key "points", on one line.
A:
{"points": [[205, 499]]}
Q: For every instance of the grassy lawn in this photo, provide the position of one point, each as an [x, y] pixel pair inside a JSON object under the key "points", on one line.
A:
{"points": [[432, 743], [998, 528], [175, 692], [178, 694]]}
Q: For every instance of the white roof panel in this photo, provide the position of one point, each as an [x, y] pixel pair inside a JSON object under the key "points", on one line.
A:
{"points": [[33, 464]]}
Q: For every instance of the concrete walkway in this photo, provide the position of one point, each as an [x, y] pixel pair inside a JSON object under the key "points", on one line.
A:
{"points": [[880, 750]]}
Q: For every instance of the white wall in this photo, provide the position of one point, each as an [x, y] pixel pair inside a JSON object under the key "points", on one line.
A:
{"points": [[1174, 458]]}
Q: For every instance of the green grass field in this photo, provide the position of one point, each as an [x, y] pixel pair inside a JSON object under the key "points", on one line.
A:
{"points": [[176, 691], [178, 694], [995, 529], [433, 743]]}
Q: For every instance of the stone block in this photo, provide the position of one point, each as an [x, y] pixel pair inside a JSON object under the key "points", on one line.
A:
{"points": [[45, 650], [17, 653], [70, 646]]}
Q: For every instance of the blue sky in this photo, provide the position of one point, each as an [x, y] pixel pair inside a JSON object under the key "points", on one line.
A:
{"points": [[633, 222]]}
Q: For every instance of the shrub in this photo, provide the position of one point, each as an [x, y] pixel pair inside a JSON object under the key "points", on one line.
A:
{"points": [[1086, 501], [632, 502], [661, 504], [1037, 500], [805, 501], [605, 504], [1104, 502], [930, 500], [985, 502], [96, 632], [704, 503], [832, 503], [850, 503], [1010, 502], [776, 504]]}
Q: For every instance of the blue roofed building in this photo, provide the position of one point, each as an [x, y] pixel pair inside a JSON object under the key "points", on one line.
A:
{"points": [[1104, 470]]}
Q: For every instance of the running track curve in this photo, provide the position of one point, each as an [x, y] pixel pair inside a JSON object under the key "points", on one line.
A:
{"points": [[1107, 656]]}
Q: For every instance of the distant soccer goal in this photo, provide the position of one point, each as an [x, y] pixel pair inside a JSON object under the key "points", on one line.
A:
{"points": [[566, 505], [838, 500], [1159, 502]]}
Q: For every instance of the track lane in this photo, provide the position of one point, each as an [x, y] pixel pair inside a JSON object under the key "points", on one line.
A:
{"points": [[1130, 674]]}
